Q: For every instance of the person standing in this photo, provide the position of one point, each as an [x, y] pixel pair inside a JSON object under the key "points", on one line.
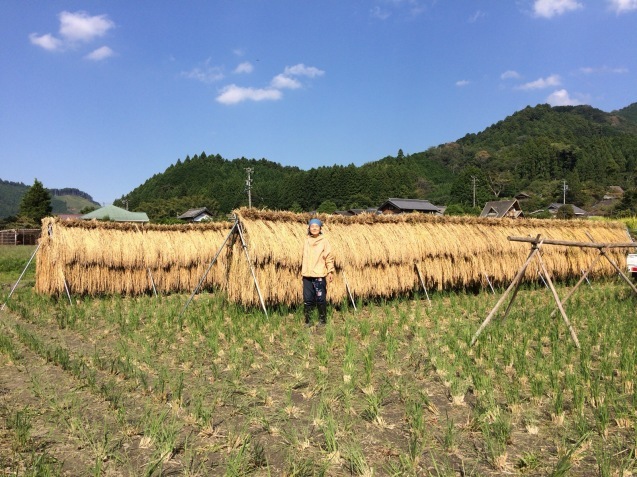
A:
{"points": [[317, 269]]}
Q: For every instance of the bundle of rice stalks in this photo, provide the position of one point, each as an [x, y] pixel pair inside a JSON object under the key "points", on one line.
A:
{"points": [[106, 258], [378, 256]]}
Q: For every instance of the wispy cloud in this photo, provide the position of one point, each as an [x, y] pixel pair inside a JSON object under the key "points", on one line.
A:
{"points": [[510, 74], [233, 94], [541, 83], [245, 67], [551, 8], [75, 28], [386, 8], [205, 72], [462, 83], [622, 6], [561, 97], [289, 79], [476, 16], [100, 54], [587, 70]]}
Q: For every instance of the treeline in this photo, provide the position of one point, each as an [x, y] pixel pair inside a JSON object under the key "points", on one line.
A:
{"points": [[71, 191], [537, 150]]}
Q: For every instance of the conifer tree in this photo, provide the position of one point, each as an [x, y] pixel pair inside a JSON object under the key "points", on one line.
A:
{"points": [[36, 203]]}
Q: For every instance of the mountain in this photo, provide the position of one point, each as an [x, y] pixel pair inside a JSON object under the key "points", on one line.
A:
{"points": [[542, 150], [63, 201]]}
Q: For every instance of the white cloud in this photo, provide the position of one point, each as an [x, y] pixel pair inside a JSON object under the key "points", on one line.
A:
{"points": [[233, 94], [100, 54], [79, 26], [561, 98], [282, 81], [245, 67], [622, 6], [205, 73], [46, 41], [379, 13], [551, 8], [603, 70], [476, 16], [302, 70], [541, 83], [462, 83], [510, 74]]}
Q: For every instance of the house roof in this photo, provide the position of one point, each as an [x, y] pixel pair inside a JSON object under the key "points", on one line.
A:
{"points": [[116, 214], [576, 210], [500, 208], [411, 204], [192, 213]]}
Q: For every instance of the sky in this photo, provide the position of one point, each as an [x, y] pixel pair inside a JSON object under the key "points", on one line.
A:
{"points": [[102, 95]]}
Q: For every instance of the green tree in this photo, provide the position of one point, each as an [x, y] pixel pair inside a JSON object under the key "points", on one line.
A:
{"points": [[565, 212], [326, 207], [36, 203]]}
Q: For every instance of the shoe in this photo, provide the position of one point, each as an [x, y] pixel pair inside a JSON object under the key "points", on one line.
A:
{"points": [[322, 309]]}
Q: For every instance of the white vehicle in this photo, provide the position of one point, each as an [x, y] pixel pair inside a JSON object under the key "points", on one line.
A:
{"points": [[631, 263]]}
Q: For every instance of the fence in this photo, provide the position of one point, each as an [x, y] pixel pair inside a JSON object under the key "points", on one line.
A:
{"points": [[19, 236]]}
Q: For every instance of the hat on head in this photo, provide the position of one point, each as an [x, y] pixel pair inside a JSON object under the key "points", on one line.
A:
{"points": [[316, 221]]}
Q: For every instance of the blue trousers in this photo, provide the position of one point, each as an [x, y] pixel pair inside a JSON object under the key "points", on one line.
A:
{"points": [[314, 291]]}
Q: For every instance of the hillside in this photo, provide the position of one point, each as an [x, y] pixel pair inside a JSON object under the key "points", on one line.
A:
{"points": [[63, 201], [537, 150]]}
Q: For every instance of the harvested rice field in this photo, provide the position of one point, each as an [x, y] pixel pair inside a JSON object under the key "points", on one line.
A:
{"points": [[118, 384]]}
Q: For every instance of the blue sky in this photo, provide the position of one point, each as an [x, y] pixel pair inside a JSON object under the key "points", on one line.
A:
{"points": [[102, 95]]}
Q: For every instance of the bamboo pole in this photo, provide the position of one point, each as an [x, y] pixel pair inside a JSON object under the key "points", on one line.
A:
{"points": [[254, 277], [349, 292], [574, 244], [152, 282], [232, 230], [557, 300], [489, 282], [514, 284], [581, 280], [422, 282], [21, 275]]}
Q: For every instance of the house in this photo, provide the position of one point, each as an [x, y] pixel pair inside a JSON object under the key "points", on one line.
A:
{"points": [[70, 216], [555, 206], [522, 196], [116, 214], [400, 206], [502, 208], [351, 212], [196, 215]]}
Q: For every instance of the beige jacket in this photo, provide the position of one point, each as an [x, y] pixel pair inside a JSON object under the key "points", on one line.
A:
{"points": [[317, 257]]}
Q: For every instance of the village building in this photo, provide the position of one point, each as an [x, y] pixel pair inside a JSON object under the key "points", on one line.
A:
{"points": [[401, 206], [502, 208], [196, 215], [116, 214]]}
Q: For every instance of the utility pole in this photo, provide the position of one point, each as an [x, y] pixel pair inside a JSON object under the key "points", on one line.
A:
{"points": [[565, 188], [249, 170], [473, 178]]}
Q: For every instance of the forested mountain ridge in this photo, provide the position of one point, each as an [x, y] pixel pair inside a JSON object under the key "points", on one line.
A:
{"points": [[63, 201], [537, 150]]}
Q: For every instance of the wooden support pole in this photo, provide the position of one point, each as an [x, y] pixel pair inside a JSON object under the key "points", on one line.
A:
{"points": [[349, 292], [254, 276], [557, 300], [514, 285], [21, 275], [152, 282], [422, 282], [581, 280], [489, 282], [574, 244], [196, 290]]}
